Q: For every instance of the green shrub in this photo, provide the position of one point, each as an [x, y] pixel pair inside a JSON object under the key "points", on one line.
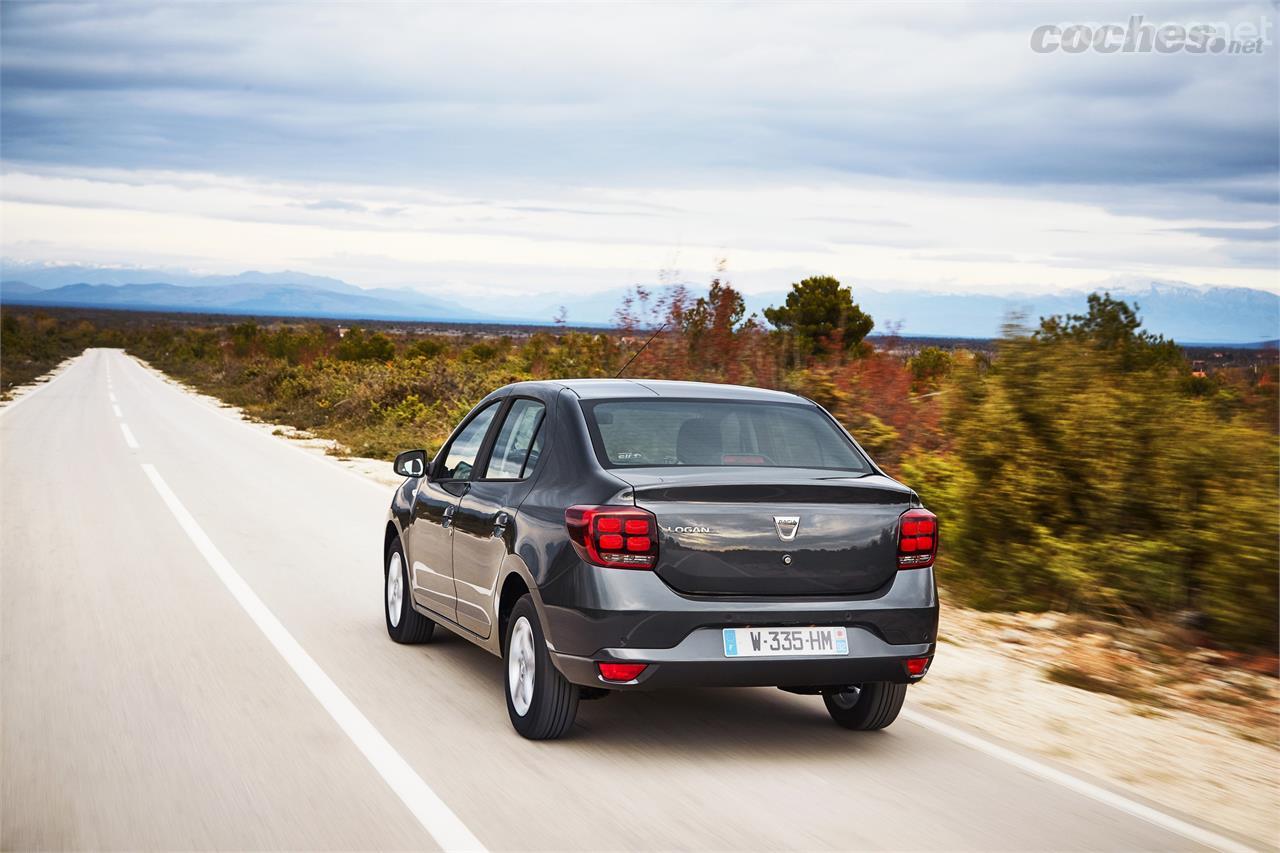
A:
{"points": [[1083, 476]]}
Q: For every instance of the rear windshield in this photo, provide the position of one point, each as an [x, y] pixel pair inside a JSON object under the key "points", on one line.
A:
{"points": [[635, 433]]}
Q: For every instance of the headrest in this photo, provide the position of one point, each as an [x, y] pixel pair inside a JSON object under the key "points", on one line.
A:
{"points": [[699, 443]]}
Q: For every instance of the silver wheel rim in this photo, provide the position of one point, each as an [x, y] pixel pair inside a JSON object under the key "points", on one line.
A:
{"points": [[520, 666], [395, 589], [846, 699]]}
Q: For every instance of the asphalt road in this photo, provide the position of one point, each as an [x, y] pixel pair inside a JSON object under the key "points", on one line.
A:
{"points": [[194, 657]]}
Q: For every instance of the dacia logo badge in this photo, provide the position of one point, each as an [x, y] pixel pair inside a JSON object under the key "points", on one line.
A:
{"points": [[787, 526]]}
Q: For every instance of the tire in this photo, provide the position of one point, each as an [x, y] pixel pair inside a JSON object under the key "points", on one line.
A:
{"points": [[404, 624], [874, 706], [540, 701]]}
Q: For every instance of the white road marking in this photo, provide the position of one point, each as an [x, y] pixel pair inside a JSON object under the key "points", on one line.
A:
{"points": [[116, 409], [111, 397], [432, 812], [1088, 789], [128, 437]]}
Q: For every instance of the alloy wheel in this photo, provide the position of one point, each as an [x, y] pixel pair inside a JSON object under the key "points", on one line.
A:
{"points": [[520, 666], [395, 589]]}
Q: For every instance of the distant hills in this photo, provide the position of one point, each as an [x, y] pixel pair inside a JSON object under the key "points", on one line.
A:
{"points": [[283, 294], [1185, 313], [48, 277]]}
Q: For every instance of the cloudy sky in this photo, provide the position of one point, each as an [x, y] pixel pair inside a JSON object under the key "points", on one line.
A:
{"points": [[587, 147]]}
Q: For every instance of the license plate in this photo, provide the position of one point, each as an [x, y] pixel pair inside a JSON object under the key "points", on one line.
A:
{"points": [[784, 642]]}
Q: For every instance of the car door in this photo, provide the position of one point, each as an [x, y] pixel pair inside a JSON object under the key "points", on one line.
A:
{"points": [[434, 506], [485, 515]]}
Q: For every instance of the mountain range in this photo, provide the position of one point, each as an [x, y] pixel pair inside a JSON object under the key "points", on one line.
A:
{"points": [[1183, 312], [257, 293]]}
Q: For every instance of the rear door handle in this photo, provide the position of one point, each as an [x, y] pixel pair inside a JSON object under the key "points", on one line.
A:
{"points": [[500, 522]]}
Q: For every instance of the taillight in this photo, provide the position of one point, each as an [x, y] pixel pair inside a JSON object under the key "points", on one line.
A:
{"points": [[917, 539], [615, 536]]}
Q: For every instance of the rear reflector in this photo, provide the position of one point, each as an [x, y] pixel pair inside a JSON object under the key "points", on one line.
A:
{"points": [[917, 666], [621, 671], [917, 539], [623, 537]]}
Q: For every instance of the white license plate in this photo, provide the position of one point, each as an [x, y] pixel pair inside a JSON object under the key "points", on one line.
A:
{"points": [[784, 642]]}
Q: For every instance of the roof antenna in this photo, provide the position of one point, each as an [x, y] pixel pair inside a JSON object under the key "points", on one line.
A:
{"points": [[645, 344]]}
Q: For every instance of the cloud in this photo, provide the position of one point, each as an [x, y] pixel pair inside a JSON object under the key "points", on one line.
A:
{"points": [[616, 94], [333, 204], [1270, 234], [949, 236]]}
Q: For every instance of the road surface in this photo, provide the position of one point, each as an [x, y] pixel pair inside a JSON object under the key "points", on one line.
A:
{"points": [[194, 657]]}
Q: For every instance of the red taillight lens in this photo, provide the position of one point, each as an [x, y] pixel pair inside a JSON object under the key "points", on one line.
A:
{"points": [[917, 539], [917, 666], [621, 671], [624, 537]]}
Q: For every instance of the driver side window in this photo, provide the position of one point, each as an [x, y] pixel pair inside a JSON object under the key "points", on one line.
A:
{"points": [[460, 456]]}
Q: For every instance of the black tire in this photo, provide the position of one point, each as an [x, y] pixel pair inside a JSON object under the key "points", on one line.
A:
{"points": [[554, 702], [410, 627], [875, 706]]}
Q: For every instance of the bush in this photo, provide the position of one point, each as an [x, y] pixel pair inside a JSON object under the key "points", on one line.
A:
{"points": [[358, 346], [1083, 476]]}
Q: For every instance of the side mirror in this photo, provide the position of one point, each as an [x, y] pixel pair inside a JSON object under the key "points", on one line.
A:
{"points": [[411, 463]]}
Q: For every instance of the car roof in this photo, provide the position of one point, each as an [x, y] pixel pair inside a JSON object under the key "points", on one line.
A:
{"points": [[605, 389]]}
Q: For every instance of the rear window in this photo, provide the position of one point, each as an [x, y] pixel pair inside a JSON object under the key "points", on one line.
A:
{"points": [[656, 432]]}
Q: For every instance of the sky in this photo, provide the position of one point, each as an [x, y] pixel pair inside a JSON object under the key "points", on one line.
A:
{"points": [[503, 149]]}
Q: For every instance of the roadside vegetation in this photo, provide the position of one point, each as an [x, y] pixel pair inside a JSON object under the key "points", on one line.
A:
{"points": [[1079, 466], [32, 344]]}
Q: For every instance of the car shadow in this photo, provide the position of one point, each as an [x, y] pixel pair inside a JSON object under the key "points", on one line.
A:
{"points": [[705, 721], [762, 721]]}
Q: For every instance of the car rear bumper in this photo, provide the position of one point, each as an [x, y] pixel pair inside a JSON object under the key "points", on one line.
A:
{"points": [[594, 614], [699, 661]]}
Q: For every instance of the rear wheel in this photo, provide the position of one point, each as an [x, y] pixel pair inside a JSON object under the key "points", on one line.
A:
{"points": [[540, 701], [404, 624], [868, 706]]}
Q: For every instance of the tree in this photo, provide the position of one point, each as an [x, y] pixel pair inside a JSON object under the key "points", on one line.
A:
{"points": [[1112, 326], [357, 346], [929, 367], [722, 309], [820, 317], [707, 338]]}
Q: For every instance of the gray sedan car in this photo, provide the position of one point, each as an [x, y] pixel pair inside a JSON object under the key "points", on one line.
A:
{"points": [[604, 536]]}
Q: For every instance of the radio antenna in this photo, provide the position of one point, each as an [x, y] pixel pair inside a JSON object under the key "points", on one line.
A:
{"points": [[637, 352]]}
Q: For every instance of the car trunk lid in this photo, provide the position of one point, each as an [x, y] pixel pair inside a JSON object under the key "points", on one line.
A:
{"points": [[752, 531]]}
